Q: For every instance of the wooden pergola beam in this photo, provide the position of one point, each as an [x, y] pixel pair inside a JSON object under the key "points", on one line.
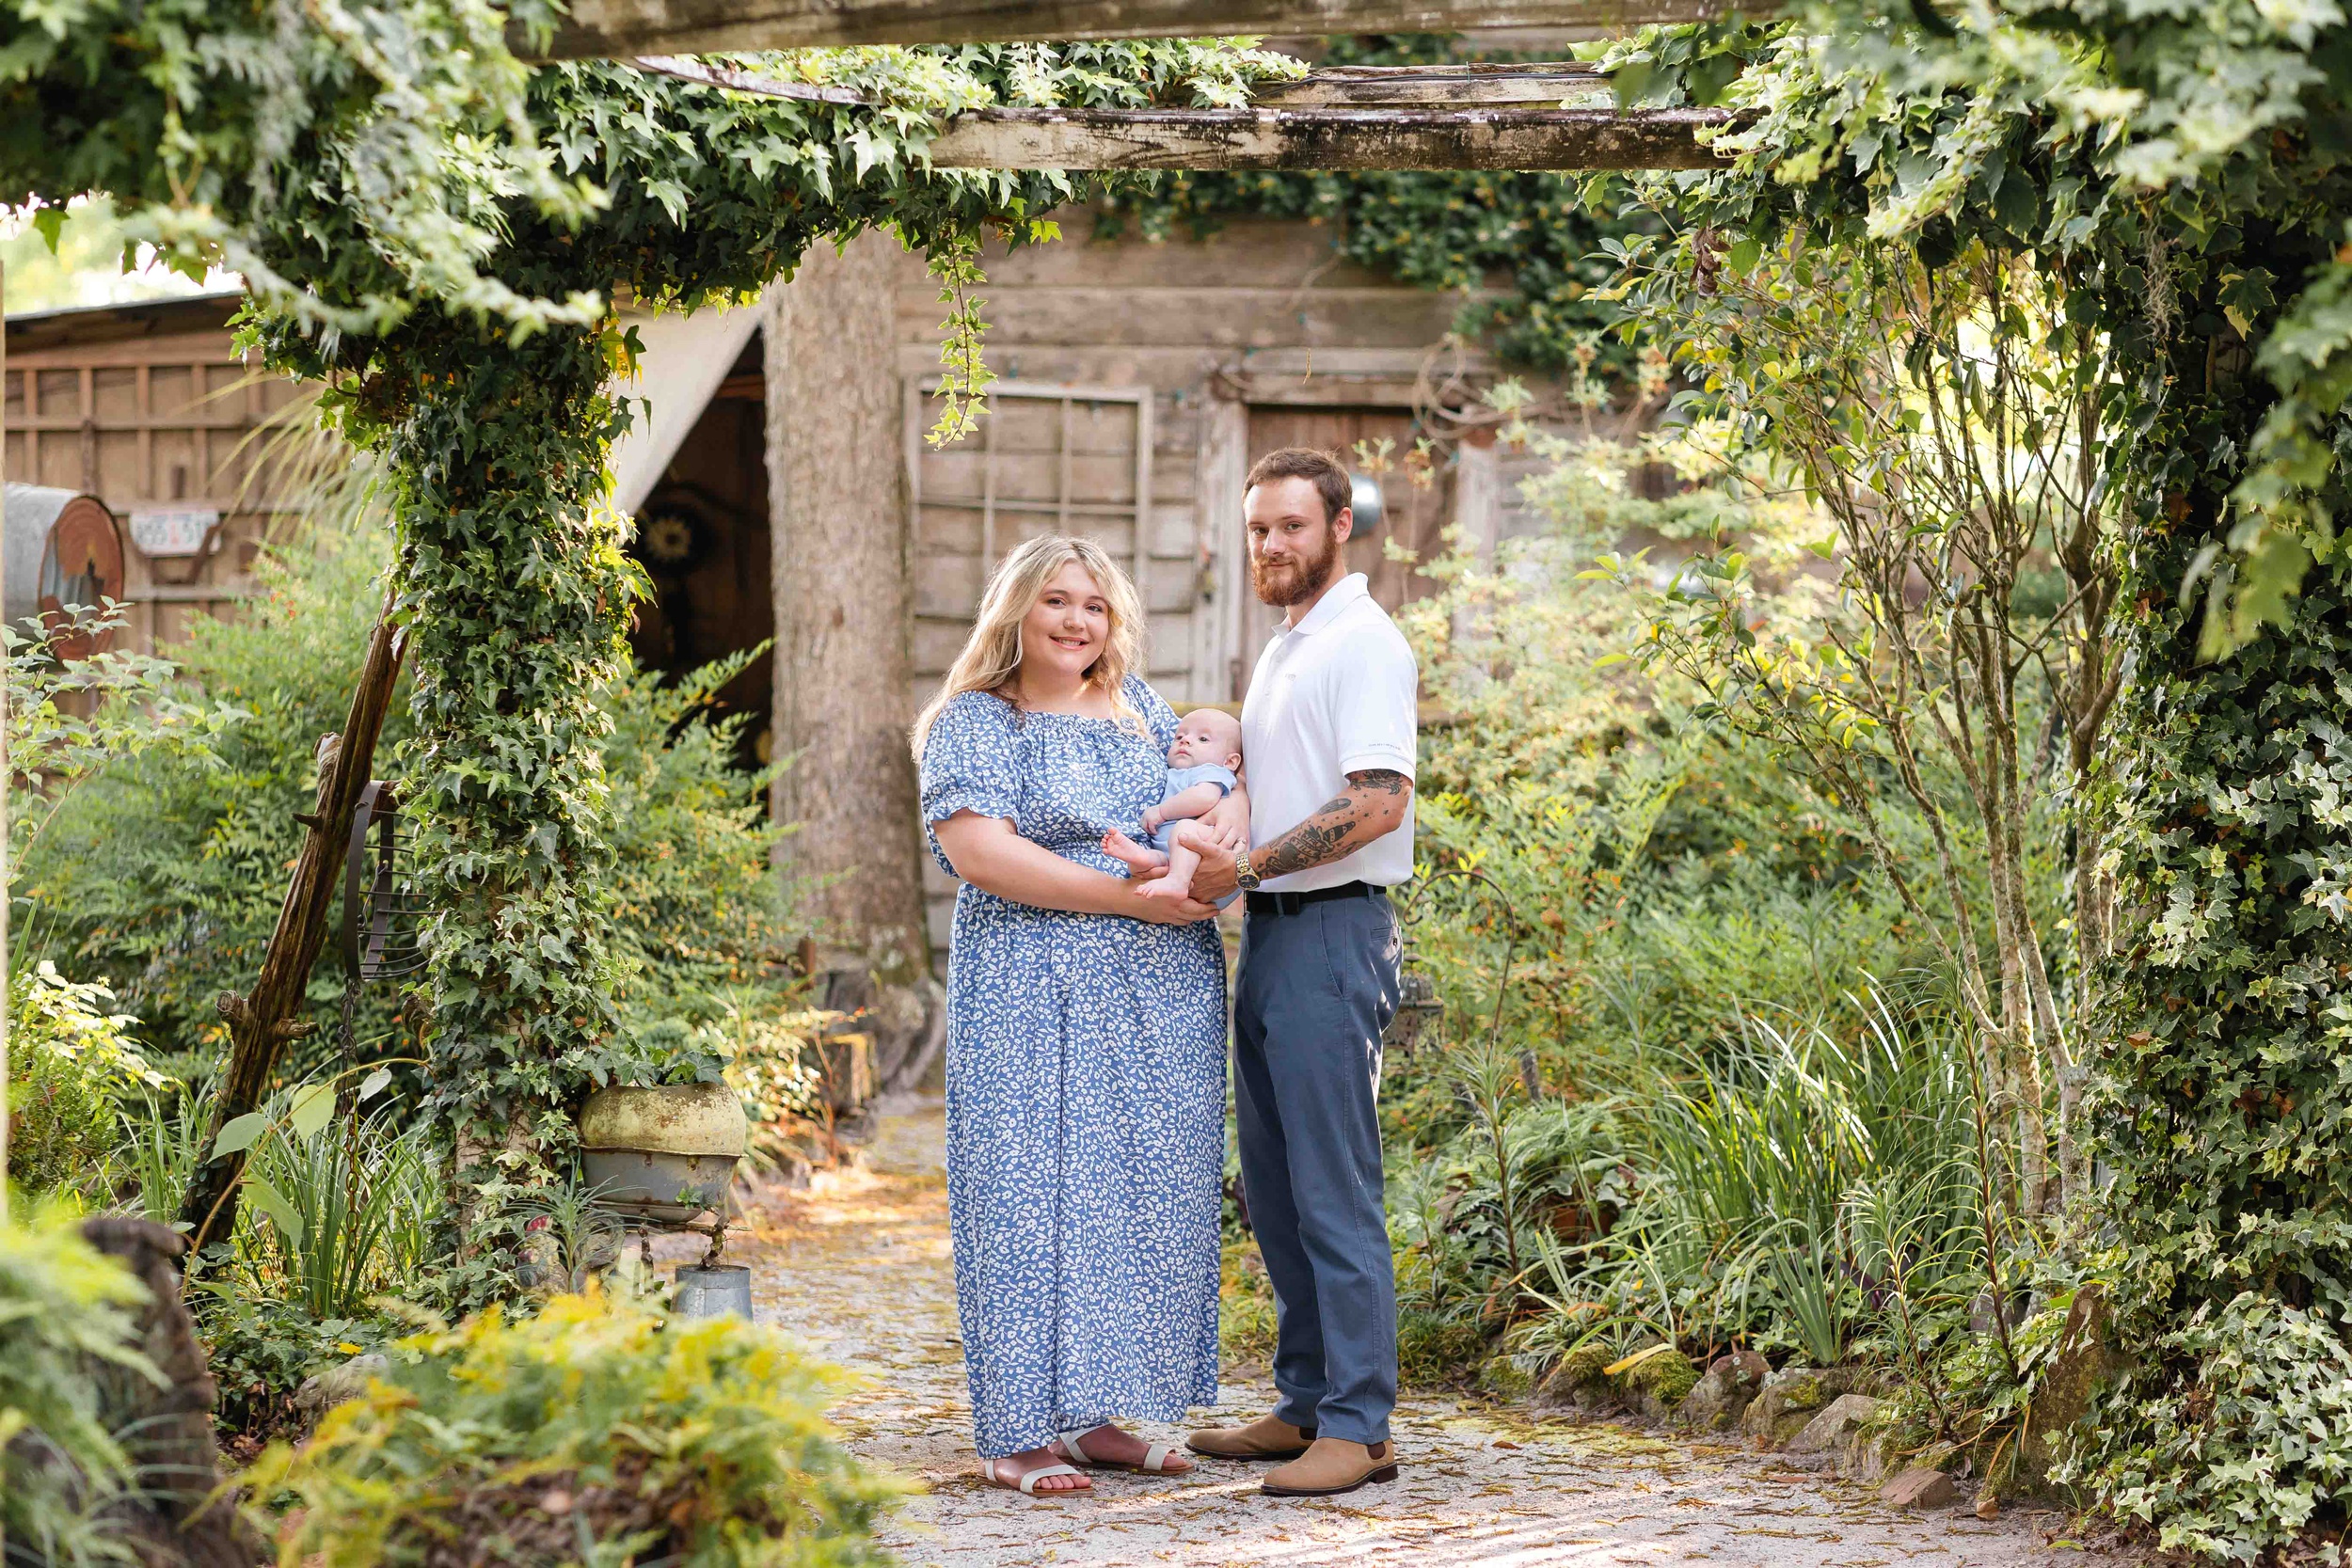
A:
{"points": [[614, 29], [1551, 84], [1355, 117], [1327, 139]]}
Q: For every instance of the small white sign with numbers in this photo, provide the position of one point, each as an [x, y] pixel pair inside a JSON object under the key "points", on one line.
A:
{"points": [[170, 533]]}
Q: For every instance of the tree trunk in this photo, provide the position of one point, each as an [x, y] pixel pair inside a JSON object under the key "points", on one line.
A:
{"points": [[842, 574]]}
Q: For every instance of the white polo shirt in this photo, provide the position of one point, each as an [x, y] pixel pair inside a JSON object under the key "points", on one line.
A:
{"points": [[1333, 695]]}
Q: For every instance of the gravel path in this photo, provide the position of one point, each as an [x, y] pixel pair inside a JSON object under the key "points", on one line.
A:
{"points": [[859, 1268]]}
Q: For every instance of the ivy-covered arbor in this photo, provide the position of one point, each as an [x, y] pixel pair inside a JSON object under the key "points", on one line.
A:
{"points": [[436, 234]]}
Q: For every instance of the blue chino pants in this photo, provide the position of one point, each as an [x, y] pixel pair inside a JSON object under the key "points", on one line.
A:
{"points": [[1315, 989]]}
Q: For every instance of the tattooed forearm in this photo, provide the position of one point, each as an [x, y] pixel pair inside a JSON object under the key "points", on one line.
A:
{"points": [[1372, 804]]}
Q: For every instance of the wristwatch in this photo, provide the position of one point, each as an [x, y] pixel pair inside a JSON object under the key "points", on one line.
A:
{"points": [[1244, 873]]}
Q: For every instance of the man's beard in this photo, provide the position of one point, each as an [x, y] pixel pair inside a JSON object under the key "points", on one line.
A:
{"points": [[1301, 582]]}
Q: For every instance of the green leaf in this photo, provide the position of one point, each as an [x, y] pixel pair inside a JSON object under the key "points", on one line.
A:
{"points": [[1744, 255], [313, 1108], [241, 1133], [374, 1084], [270, 1201]]}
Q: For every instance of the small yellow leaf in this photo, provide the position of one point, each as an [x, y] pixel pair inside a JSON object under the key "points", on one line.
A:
{"points": [[1634, 1360]]}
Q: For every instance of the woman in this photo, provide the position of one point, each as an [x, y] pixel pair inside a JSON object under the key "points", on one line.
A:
{"points": [[1086, 1035]]}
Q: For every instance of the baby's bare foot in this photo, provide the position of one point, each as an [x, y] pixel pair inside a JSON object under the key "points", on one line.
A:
{"points": [[1125, 850], [1167, 887]]}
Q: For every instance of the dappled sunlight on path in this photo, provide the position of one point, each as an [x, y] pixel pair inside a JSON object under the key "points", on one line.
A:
{"points": [[859, 1267]]}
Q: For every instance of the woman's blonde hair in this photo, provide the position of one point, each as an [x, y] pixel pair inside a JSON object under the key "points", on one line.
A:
{"points": [[992, 652]]}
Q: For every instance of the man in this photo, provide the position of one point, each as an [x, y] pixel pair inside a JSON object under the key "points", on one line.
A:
{"points": [[1328, 738]]}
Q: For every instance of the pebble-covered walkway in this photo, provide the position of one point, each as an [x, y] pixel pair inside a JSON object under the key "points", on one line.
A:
{"points": [[858, 1267]]}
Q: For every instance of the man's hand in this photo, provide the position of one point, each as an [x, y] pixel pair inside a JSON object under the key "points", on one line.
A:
{"points": [[1231, 819], [1213, 878]]}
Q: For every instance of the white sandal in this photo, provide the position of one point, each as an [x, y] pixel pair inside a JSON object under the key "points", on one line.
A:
{"points": [[1027, 1485], [1155, 1456]]}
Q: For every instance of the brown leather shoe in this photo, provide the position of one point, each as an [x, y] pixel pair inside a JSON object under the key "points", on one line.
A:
{"points": [[1264, 1438], [1332, 1465]]}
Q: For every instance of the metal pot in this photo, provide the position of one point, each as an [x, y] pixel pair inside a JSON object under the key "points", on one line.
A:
{"points": [[722, 1291], [666, 1153]]}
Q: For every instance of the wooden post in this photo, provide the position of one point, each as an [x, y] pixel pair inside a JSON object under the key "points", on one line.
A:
{"points": [[261, 1024], [841, 572], [1224, 463]]}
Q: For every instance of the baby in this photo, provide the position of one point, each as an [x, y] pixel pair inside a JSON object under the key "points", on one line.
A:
{"points": [[1203, 766]]}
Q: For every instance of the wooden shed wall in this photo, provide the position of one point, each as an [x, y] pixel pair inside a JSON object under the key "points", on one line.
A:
{"points": [[147, 414]]}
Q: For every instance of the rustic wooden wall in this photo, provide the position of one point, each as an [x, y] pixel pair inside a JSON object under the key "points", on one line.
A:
{"points": [[147, 408]]}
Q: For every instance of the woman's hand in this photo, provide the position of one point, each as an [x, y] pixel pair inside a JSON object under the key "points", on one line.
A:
{"points": [[1167, 912]]}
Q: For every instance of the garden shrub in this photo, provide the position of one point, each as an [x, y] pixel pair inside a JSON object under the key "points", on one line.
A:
{"points": [[595, 1433], [167, 872], [72, 1064], [63, 1305]]}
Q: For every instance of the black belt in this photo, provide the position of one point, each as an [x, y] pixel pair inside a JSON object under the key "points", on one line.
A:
{"points": [[1291, 903]]}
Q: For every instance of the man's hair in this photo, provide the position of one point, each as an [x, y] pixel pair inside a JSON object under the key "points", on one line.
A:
{"points": [[1331, 480]]}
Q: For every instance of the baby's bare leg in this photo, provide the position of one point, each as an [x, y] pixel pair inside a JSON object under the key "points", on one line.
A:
{"points": [[1134, 856], [1184, 858]]}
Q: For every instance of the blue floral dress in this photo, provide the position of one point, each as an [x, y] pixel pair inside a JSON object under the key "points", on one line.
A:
{"points": [[1086, 1094]]}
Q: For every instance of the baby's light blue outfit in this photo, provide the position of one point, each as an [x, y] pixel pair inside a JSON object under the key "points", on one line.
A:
{"points": [[1180, 780]]}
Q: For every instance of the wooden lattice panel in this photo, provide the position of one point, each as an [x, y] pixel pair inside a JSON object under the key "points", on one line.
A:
{"points": [[1047, 459]]}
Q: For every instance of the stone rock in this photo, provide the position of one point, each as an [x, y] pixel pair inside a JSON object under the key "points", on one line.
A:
{"points": [[1788, 1400], [323, 1391], [1658, 1385], [1920, 1487], [1578, 1382], [1870, 1456], [1722, 1392], [1502, 1376], [2085, 1360], [1836, 1421]]}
